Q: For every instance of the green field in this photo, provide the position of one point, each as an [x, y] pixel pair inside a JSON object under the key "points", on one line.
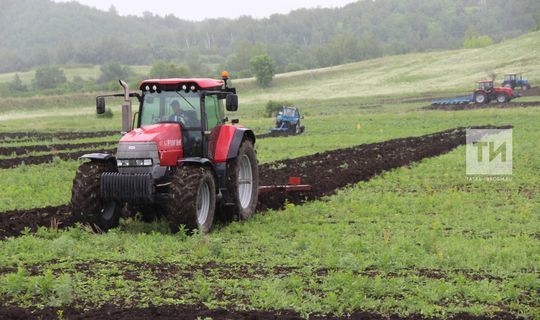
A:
{"points": [[421, 240]]}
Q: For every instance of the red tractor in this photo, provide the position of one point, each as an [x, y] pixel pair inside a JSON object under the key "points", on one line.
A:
{"points": [[182, 159], [485, 92]]}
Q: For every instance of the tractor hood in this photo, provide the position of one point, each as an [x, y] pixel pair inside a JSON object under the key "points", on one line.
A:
{"points": [[509, 92], [167, 136]]}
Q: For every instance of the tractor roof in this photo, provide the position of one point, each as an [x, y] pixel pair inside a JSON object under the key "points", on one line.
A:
{"points": [[202, 83], [485, 81]]}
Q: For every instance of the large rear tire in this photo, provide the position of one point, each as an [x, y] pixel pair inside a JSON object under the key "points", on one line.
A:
{"points": [[242, 181], [502, 98], [86, 203], [192, 199], [480, 98]]}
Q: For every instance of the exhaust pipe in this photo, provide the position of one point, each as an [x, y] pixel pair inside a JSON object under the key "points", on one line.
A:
{"points": [[126, 109]]}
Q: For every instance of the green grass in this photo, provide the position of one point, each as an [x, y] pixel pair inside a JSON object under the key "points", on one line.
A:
{"points": [[86, 72], [417, 240], [412, 241]]}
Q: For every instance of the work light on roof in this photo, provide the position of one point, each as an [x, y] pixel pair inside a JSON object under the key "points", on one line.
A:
{"points": [[184, 87], [154, 87], [147, 88], [192, 88]]}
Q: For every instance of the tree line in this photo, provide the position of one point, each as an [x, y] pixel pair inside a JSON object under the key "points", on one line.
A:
{"points": [[40, 32]]}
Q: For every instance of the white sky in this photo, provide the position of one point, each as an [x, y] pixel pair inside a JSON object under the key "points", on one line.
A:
{"points": [[199, 10]]}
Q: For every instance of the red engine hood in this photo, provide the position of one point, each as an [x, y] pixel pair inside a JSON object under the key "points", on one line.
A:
{"points": [[167, 136], [508, 91]]}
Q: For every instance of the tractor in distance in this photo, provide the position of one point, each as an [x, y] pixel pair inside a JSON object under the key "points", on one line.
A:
{"points": [[288, 121], [178, 157], [515, 80], [485, 92]]}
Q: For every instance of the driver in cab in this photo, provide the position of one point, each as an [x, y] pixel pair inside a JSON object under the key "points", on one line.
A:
{"points": [[188, 118], [178, 115]]}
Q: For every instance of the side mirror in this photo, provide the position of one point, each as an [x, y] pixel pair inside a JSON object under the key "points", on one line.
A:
{"points": [[100, 105], [231, 102]]}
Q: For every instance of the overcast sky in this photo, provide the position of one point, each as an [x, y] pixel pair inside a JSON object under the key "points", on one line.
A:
{"points": [[199, 10]]}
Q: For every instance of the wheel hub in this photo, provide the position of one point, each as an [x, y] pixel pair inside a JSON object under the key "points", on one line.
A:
{"points": [[245, 181]]}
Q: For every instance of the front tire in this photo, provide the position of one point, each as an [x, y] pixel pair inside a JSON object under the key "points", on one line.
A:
{"points": [[86, 203], [242, 181], [192, 199]]}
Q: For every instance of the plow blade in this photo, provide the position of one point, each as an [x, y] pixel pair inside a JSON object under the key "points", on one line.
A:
{"points": [[458, 100], [285, 188]]}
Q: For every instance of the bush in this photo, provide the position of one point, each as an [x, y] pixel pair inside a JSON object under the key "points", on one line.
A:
{"points": [[273, 107], [49, 78], [112, 72], [263, 67], [161, 69], [477, 42]]}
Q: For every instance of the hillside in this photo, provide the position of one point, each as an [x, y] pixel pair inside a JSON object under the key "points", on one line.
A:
{"points": [[410, 74], [70, 33]]}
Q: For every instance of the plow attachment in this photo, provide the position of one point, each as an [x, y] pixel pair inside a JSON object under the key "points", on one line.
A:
{"points": [[294, 185]]}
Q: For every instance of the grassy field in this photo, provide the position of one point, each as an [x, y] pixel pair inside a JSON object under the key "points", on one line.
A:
{"points": [[422, 240], [328, 90], [419, 240]]}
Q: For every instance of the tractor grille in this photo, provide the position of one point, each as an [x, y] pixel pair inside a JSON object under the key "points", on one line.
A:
{"points": [[138, 188]]}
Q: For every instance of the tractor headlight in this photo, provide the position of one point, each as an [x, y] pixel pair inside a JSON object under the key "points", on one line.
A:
{"points": [[122, 163], [134, 162]]}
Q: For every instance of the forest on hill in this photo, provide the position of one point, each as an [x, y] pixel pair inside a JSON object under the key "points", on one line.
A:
{"points": [[41, 32]]}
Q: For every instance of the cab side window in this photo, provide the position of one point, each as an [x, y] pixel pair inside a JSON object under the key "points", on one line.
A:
{"points": [[213, 114]]}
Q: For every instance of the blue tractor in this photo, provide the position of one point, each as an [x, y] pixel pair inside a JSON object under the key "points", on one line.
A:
{"points": [[288, 121], [515, 80]]}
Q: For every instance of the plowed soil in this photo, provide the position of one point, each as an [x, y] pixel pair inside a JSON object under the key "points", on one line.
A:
{"points": [[14, 162], [36, 135], [326, 172], [473, 106], [18, 151], [332, 170], [201, 312]]}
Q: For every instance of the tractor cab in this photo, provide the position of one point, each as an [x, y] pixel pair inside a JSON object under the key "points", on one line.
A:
{"points": [[196, 109], [511, 77], [485, 85]]}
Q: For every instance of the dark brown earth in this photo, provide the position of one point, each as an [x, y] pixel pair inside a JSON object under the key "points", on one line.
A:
{"points": [[21, 150], [331, 170], [200, 312], [39, 136], [326, 172], [14, 162], [473, 106]]}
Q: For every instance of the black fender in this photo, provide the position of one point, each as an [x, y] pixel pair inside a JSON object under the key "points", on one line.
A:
{"points": [[238, 137], [99, 157], [217, 170]]}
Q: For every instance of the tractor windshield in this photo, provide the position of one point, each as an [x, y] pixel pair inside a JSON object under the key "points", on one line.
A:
{"points": [[289, 112], [171, 106], [179, 106]]}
